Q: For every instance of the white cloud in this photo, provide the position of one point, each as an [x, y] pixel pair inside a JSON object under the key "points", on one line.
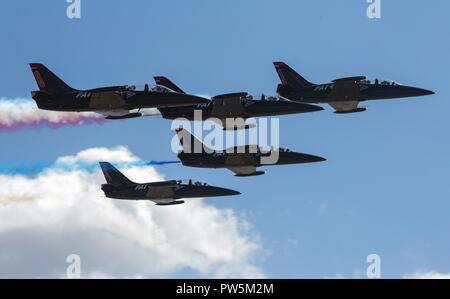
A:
{"points": [[427, 275], [45, 218]]}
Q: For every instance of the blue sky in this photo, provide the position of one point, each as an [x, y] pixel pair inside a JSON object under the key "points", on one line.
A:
{"points": [[384, 188]]}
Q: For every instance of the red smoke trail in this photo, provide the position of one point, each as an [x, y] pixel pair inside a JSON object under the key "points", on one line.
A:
{"points": [[20, 114], [41, 123], [45, 123]]}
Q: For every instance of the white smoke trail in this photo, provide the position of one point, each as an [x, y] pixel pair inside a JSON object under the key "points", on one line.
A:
{"points": [[22, 113]]}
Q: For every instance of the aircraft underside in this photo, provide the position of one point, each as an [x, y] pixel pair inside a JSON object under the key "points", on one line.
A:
{"points": [[343, 107], [119, 114]]}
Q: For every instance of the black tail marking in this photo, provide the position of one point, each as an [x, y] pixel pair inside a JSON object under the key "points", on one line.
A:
{"points": [[163, 81], [114, 177], [291, 78], [47, 81]]}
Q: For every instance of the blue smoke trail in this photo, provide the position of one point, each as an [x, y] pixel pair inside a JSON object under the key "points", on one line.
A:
{"points": [[157, 163], [33, 168]]}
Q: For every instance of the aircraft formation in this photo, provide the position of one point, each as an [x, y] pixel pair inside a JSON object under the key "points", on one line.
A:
{"points": [[294, 95]]}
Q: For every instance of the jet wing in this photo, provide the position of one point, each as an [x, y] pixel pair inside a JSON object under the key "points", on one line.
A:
{"points": [[228, 105], [347, 92], [342, 107], [245, 170], [119, 114]]}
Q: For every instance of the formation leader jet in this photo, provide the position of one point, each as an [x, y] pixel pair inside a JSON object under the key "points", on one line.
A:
{"points": [[342, 94], [116, 102], [162, 193], [243, 161], [232, 106]]}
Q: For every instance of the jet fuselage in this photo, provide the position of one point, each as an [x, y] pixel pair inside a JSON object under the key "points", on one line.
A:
{"points": [[234, 158], [110, 99], [164, 191], [349, 91], [237, 105], [343, 94]]}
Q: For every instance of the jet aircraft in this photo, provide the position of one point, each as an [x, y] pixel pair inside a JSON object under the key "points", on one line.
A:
{"points": [[233, 106], [162, 193], [116, 102], [342, 94], [243, 161]]}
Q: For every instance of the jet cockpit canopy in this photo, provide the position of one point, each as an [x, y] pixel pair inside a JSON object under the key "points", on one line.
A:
{"points": [[146, 87], [378, 81], [191, 182]]}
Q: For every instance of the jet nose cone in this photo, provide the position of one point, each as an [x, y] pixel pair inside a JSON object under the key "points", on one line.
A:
{"points": [[296, 158], [310, 158], [422, 92], [427, 92], [228, 192], [317, 159]]}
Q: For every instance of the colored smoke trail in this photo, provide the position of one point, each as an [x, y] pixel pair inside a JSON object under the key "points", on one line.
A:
{"points": [[21, 113], [32, 168], [156, 163]]}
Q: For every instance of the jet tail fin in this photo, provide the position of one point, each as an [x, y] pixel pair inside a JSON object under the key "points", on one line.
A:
{"points": [[190, 143], [163, 81], [47, 81], [291, 78], [113, 176]]}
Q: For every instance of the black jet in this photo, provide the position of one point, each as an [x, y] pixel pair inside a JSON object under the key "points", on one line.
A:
{"points": [[242, 160], [162, 193], [342, 94], [115, 102], [228, 107]]}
